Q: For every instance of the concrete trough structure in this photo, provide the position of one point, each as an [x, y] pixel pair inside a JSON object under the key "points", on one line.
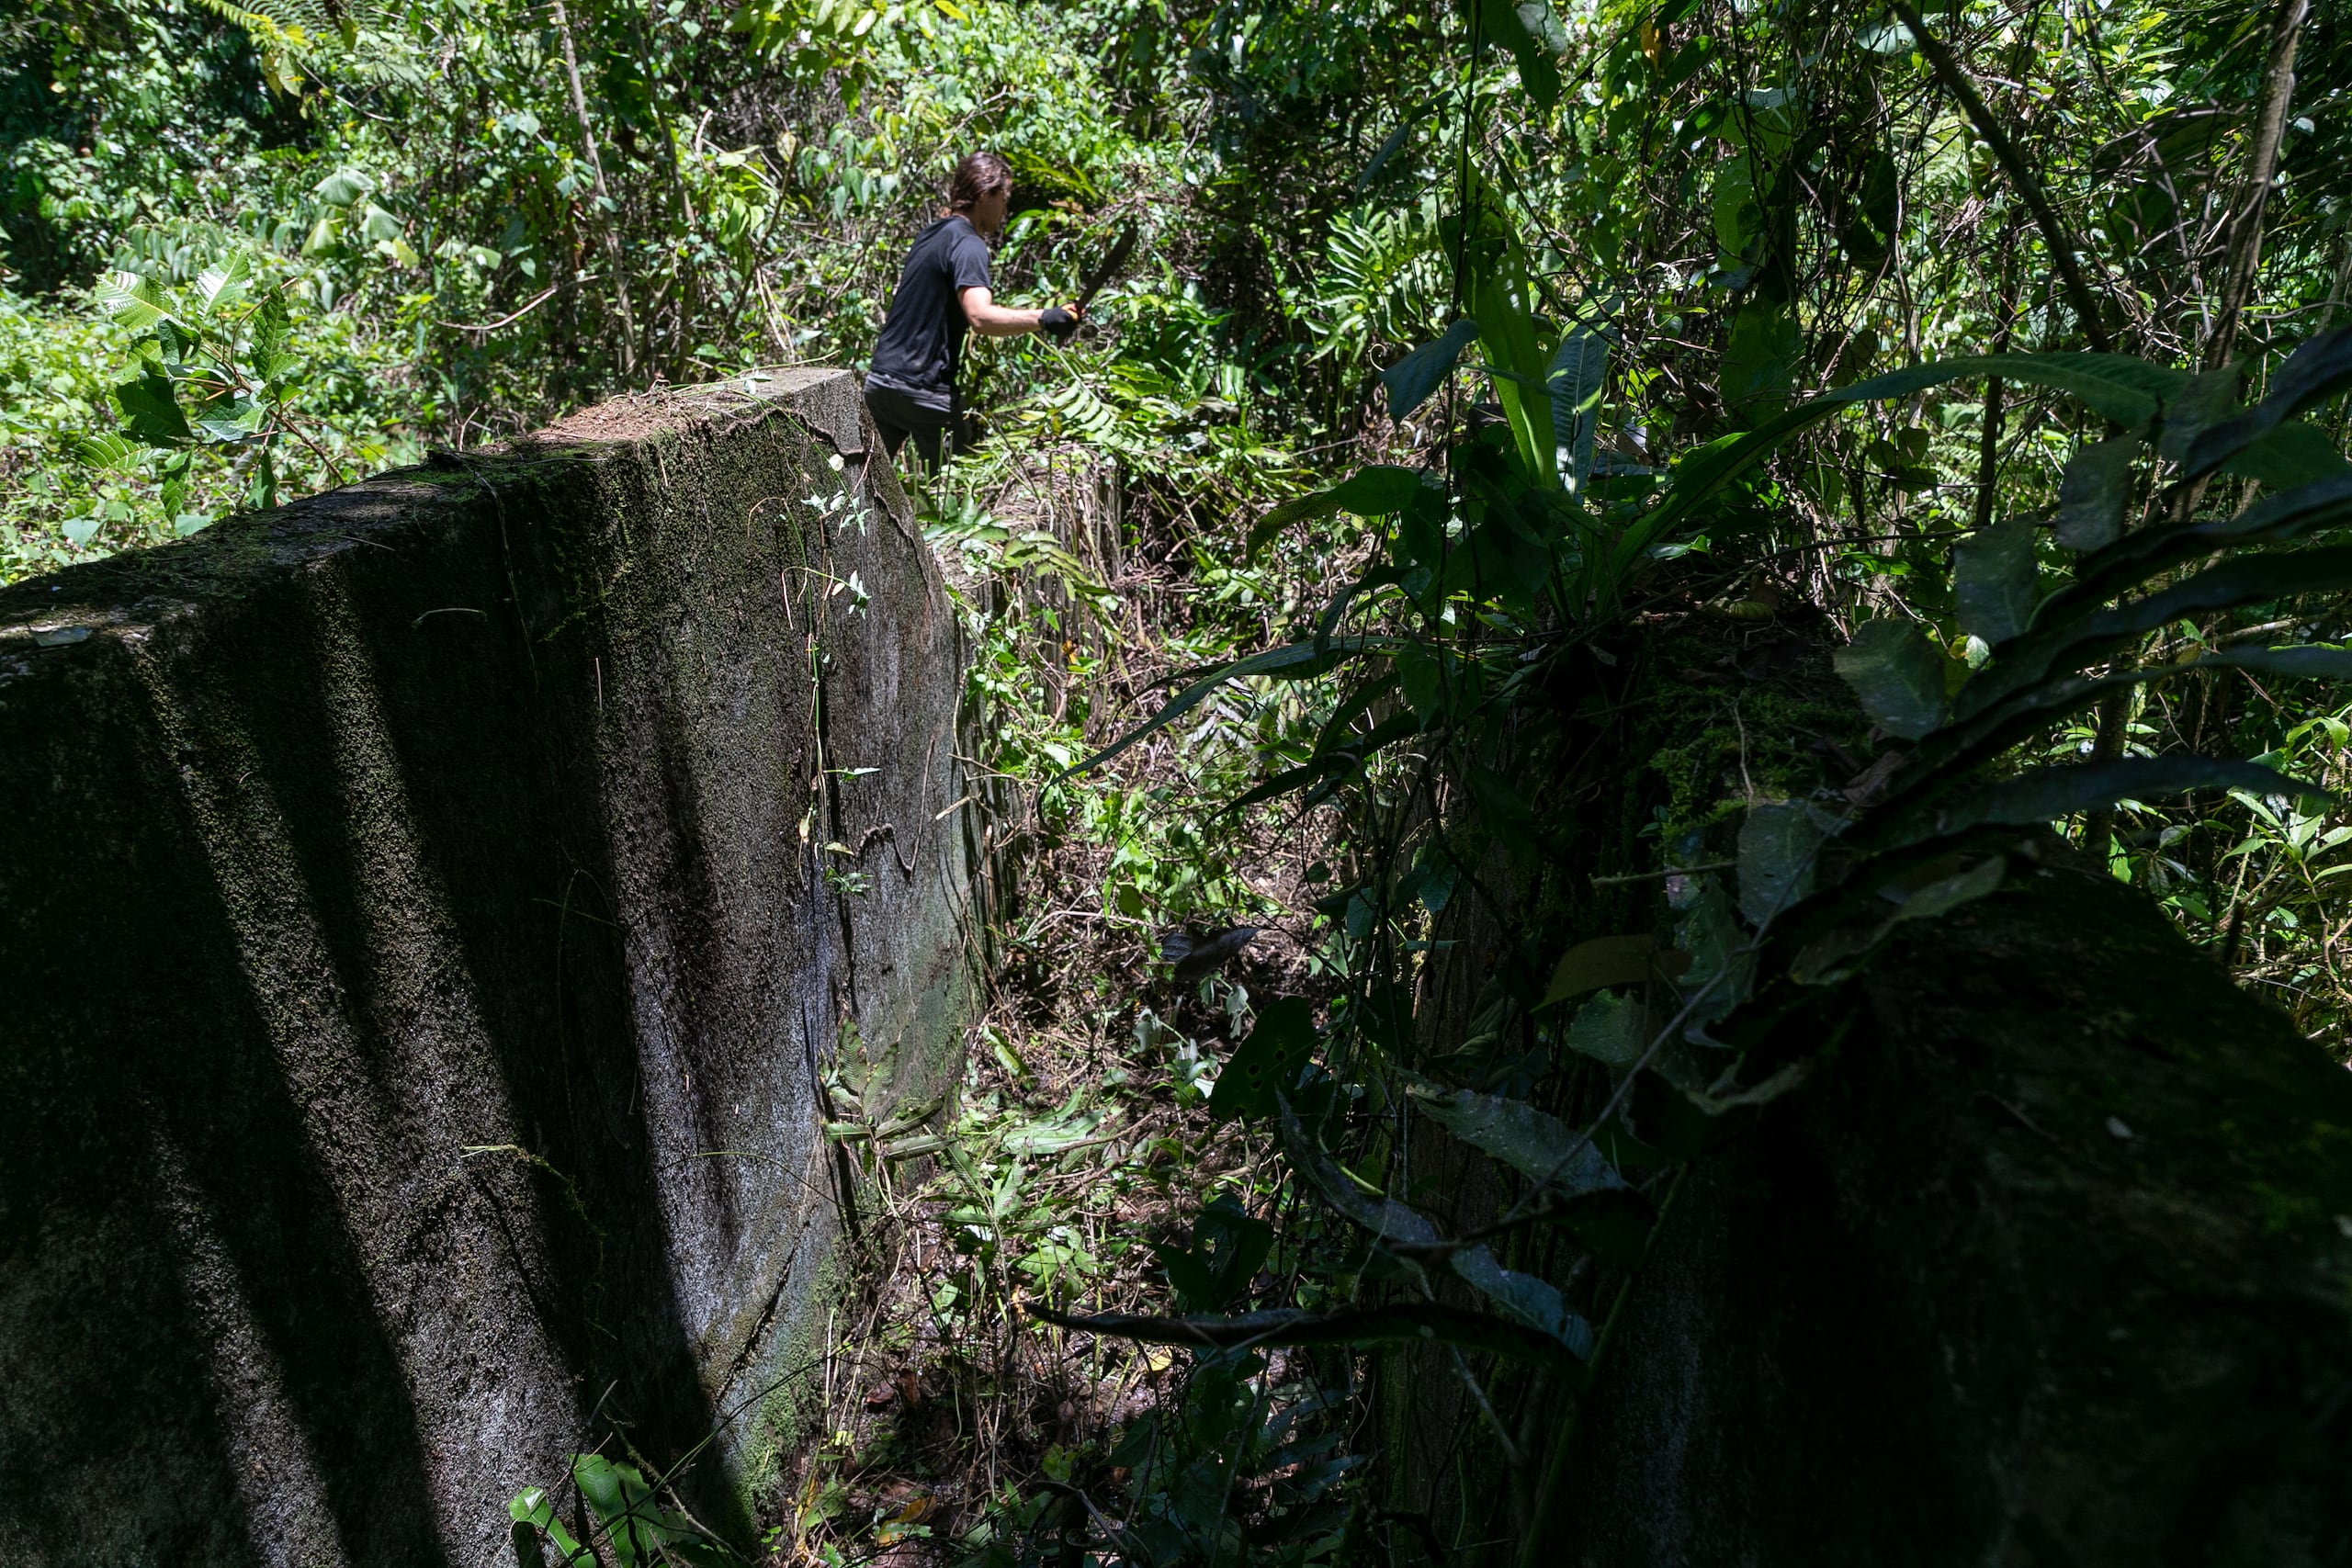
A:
{"points": [[425, 911]]}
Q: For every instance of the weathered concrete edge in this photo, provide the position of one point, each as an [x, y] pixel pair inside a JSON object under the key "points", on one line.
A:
{"points": [[389, 513]]}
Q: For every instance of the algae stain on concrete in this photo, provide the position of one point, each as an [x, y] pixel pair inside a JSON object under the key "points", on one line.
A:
{"points": [[421, 958]]}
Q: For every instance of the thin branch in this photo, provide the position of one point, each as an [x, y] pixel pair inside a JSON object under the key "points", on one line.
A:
{"points": [[2005, 153]]}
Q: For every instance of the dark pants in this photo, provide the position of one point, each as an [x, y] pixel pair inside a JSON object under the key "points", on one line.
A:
{"points": [[936, 432]]}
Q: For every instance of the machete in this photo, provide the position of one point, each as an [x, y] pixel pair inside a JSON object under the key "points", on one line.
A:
{"points": [[1102, 274]]}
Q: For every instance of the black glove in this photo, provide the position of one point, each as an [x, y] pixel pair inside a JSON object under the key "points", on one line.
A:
{"points": [[1058, 324]]}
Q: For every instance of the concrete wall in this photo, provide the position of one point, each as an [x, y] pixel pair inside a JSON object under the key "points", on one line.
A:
{"points": [[424, 913]]}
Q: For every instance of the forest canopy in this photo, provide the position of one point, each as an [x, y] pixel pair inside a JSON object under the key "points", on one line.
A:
{"points": [[1509, 404]]}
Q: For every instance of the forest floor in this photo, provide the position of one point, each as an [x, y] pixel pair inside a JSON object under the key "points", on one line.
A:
{"points": [[1080, 1136]]}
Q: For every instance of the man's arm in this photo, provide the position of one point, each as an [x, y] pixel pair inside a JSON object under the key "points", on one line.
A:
{"points": [[991, 319]]}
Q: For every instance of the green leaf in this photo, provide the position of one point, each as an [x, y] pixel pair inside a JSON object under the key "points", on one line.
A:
{"points": [[1897, 674], [1611, 961], [1292, 661], [2047, 793], [2208, 398], [135, 301], [1835, 957], [1268, 1063], [105, 451], [2293, 453], [1993, 581], [1578, 376], [2127, 390], [1374, 491], [2304, 663], [1526, 28], [1778, 847], [343, 187], [150, 410], [1410, 1323], [1536, 1144], [1383, 1217], [532, 1509], [1534, 1301], [223, 284], [1411, 379], [2318, 370], [1610, 1029], [1760, 361], [2092, 491]]}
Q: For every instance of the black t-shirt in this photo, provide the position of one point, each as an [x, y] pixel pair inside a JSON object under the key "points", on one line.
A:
{"points": [[923, 337]]}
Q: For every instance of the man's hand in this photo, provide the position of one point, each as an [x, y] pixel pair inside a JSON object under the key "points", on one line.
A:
{"points": [[991, 319]]}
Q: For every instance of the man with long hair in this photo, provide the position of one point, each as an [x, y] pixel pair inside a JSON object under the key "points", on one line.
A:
{"points": [[942, 291]]}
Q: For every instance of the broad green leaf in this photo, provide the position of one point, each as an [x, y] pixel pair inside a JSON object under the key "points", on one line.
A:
{"points": [[1993, 581], [1534, 1301], [2291, 454], [2127, 391], [1268, 1063], [2318, 370], [105, 451], [1897, 674], [1610, 1029], [1383, 1217], [343, 187], [150, 410], [1832, 957], [1611, 961], [230, 419], [1411, 379], [1578, 376], [134, 300], [1374, 491], [1292, 661], [2047, 793], [1760, 361], [532, 1509], [2304, 663], [1410, 1323], [2092, 491], [1536, 1144], [1778, 847], [223, 284], [1527, 30], [2208, 398]]}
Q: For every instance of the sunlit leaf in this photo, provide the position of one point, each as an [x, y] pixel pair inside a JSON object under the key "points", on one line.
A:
{"points": [[222, 284], [1579, 374], [136, 301]]}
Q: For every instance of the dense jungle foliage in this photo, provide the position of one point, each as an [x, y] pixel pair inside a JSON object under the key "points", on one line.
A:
{"points": [[1509, 403]]}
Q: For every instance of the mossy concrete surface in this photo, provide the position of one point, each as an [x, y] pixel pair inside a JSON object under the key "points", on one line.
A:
{"points": [[426, 912], [2049, 1262]]}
